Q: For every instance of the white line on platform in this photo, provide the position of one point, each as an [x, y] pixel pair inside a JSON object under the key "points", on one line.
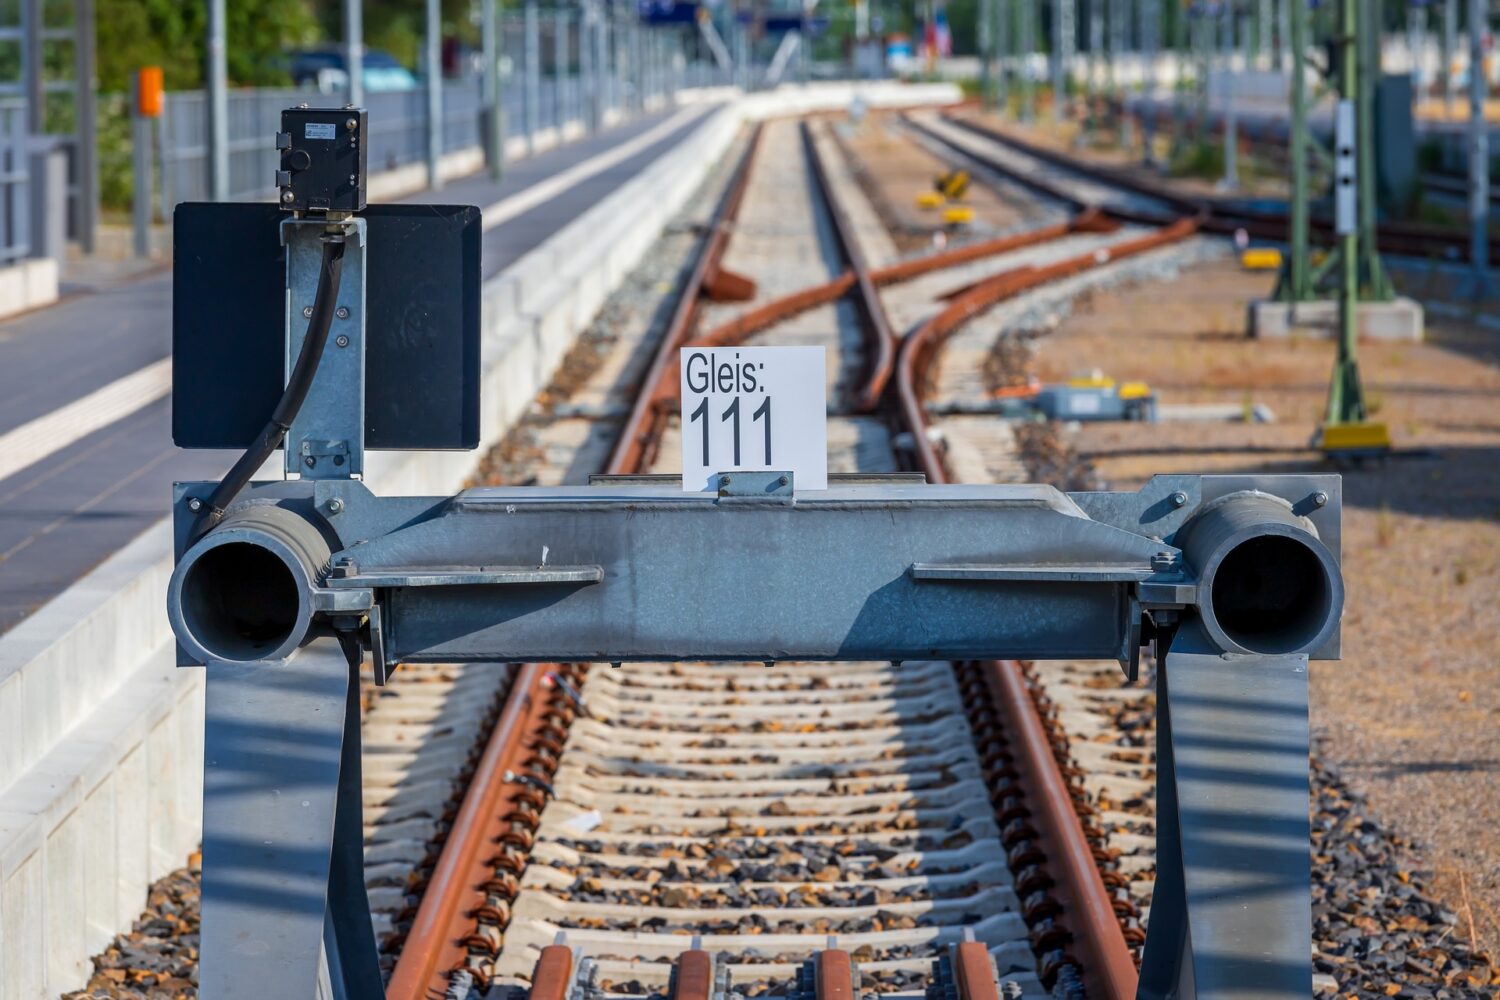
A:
{"points": [[46, 435], [524, 201]]}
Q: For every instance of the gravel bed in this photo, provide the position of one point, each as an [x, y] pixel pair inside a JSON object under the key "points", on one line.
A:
{"points": [[1377, 930], [158, 958]]}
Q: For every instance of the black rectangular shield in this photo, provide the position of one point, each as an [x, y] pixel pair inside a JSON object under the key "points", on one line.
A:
{"points": [[422, 292]]}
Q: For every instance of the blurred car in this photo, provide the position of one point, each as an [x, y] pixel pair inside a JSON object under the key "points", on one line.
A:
{"points": [[327, 69]]}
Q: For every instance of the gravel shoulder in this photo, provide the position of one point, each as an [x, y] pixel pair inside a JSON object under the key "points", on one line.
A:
{"points": [[1407, 716]]}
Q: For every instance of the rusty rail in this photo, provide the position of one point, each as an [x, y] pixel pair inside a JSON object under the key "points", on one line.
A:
{"points": [[748, 324], [465, 876], [880, 353], [464, 881], [1085, 916], [632, 449], [919, 347]]}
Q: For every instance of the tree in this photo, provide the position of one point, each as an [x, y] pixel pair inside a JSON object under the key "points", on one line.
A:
{"points": [[172, 34]]}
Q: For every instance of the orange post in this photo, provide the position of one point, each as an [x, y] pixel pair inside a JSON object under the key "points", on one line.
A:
{"points": [[148, 91]]}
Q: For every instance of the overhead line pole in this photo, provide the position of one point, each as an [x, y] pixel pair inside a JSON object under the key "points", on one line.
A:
{"points": [[1063, 20], [217, 84], [1377, 284], [1296, 278], [1450, 46], [1346, 401], [1150, 47], [1026, 45], [494, 110], [434, 50], [85, 92], [354, 50], [1480, 285], [985, 16], [1231, 179]]}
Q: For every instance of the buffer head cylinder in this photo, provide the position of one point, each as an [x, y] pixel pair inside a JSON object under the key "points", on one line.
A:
{"points": [[1266, 583], [243, 592]]}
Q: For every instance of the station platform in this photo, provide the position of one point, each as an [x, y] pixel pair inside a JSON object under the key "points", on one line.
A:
{"points": [[76, 486]]}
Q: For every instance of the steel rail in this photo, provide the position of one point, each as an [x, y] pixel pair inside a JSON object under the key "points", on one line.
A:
{"points": [[1087, 917], [748, 324], [1218, 215], [1049, 187], [880, 358], [433, 947], [751, 322], [919, 347], [1088, 910], [630, 450]]}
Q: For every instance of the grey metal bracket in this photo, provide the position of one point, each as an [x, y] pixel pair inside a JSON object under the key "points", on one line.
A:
{"points": [[1231, 915], [284, 901], [327, 439]]}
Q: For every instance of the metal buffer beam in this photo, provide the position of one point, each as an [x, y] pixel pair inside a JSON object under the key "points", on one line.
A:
{"points": [[1247, 576]]}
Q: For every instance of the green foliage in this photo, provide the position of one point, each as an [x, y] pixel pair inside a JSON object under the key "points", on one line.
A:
{"points": [[115, 180], [172, 34], [1199, 159], [397, 26]]}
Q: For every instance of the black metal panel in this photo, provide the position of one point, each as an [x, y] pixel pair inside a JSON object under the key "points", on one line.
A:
{"points": [[422, 300], [422, 356], [228, 310]]}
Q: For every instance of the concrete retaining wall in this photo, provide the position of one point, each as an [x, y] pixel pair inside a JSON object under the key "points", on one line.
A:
{"points": [[101, 737]]}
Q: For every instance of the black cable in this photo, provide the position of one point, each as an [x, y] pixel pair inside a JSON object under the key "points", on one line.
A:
{"points": [[330, 272]]}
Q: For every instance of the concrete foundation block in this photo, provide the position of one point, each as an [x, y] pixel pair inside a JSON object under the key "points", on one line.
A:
{"points": [[1400, 319]]}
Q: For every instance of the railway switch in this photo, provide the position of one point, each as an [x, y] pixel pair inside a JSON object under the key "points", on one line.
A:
{"points": [[297, 582]]}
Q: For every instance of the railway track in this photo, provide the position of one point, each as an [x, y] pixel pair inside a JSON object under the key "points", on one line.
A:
{"points": [[964, 830], [1217, 215], [799, 829]]}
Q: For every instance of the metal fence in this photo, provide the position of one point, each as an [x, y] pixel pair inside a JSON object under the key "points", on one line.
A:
{"points": [[15, 194], [556, 86]]}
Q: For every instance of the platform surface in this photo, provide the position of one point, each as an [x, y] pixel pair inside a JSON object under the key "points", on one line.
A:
{"points": [[61, 516]]}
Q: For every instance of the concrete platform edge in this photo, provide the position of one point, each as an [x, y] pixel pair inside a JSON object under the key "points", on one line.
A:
{"points": [[101, 737]]}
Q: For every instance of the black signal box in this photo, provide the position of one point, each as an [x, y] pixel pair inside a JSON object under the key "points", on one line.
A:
{"points": [[324, 153]]}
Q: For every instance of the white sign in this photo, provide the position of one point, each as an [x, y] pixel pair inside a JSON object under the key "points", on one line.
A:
{"points": [[754, 408]]}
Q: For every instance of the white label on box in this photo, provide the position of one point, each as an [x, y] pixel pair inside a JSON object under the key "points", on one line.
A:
{"points": [[320, 130], [754, 408]]}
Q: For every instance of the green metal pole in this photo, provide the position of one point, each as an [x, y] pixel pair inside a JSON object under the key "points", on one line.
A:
{"points": [[1295, 280], [1179, 14], [1026, 44], [985, 15], [1346, 402], [1377, 285], [1004, 33]]}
